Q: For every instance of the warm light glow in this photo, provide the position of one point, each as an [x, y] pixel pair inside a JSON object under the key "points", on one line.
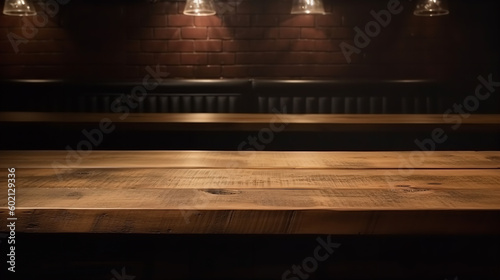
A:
{"points": [[431, 8], [308, 7], [19, 8], [199, 8]]}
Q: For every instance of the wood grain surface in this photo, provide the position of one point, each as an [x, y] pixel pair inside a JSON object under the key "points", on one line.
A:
{"points": [[256, 193], [248, 159], [243, 122]]}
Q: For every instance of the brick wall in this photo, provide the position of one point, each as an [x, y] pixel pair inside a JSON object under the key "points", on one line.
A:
{"points": [[254, 39]]}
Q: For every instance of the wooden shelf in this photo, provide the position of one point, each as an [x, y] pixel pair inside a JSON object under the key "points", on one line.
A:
{"points": [[255, 193], [243, 122]]}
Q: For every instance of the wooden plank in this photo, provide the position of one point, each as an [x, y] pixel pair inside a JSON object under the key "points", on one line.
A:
{"points": [[254, 160], [426, 180], [495, 157], [355, 198], [257, 201], [234, 122], [255, 222]]}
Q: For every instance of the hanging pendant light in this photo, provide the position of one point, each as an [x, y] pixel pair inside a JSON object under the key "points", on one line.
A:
{"points": [[308, 7], [431, 8], [19, 8], [199, 8]]}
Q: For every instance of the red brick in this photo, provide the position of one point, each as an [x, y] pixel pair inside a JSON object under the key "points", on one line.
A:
{"points": [[297, 20], [251, 7], [256, 45], [156, 20], [236, 21], [208, 46], [208, 21], [221, 58], [180, 20], [194, 33], [329, 7], [276, 58], [326, 33], [289, 32], [180, 46], [193, 58], [251, 58], [256, 33], [220, 33], [226, 7], [313, 33], [139, 33], [207, 72], [314, 45], [10, 21], [169, 58], [232, 45], [154, 46], [167, 33], [291, 58], [282, 45], [232, 71], [264, 20], [328, 20], [184, 71], [180, 7], [329, 58], [278, 7]]}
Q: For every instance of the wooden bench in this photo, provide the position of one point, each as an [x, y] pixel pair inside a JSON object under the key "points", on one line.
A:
{"points": [[241, 96]]}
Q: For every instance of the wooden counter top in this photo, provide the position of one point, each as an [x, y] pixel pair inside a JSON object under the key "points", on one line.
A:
{"points": [[255, 192]]}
